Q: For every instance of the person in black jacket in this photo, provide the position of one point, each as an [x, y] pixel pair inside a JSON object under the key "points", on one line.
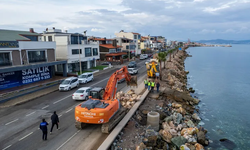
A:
{"points": [[43, 127], [54, 121]]}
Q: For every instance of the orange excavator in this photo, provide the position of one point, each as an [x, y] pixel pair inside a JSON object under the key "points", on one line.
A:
{"points": [[102, 107]]}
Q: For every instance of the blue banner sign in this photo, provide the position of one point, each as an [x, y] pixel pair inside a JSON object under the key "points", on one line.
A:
{"points": [[9, 44], [17, 78], [180, 48]]}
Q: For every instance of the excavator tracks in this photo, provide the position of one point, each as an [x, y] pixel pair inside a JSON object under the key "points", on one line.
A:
{"points": [[80, 125], [107, 127]]}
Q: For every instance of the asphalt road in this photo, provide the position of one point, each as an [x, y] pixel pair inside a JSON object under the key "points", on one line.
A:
{"points": [[19, 124]]}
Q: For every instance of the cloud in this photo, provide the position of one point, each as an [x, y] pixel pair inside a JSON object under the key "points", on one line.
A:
{"points": [[174, 19]]}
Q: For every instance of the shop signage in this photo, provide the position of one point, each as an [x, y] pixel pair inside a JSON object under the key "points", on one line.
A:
{"points": [[9, 44], [17, 78]]}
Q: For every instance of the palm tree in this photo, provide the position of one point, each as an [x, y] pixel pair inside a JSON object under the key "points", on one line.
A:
{"points": [[161, 58]]}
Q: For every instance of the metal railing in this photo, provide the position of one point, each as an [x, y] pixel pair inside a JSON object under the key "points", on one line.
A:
{"points": [[35, 60]]}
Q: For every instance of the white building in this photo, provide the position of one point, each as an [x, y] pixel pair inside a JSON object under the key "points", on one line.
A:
{"points": [[136, 37], [68, 46]]}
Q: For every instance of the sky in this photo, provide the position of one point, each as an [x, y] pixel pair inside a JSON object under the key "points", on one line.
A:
{"points": [[173, 19]]}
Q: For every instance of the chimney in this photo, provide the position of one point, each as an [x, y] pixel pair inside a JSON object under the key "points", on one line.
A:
{"points": [[46, 29], [54, 28], [66, 31], [104, 40], [32, 30], [114, 43]]}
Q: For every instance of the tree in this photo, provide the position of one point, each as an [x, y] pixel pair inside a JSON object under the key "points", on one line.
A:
{"points": [[161, 58]]}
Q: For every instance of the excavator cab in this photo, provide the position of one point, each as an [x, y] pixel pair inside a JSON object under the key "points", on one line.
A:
{"points": [[96, 93]]}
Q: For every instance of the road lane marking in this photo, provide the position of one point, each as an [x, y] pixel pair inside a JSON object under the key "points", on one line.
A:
{"points": [[60, 116], [101, 81], [31, 113], [61, 99], [25, 136], [68, 140], [69, 110], [7, 147], [45, 107], [11, 122]]}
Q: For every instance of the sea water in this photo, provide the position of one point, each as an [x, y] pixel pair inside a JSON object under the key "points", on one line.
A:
{"points": [[221, 79]]}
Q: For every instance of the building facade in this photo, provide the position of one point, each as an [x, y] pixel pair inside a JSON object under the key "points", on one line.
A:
{"points": [[136, 37], [25, 59], [74, 48]]}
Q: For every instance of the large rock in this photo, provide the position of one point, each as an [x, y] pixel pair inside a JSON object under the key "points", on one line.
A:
{"points": [[165, 135], [178, 141], [190, 146], [196, 117], [199, 147], [177, 117], [190, 124], [201, 137]]}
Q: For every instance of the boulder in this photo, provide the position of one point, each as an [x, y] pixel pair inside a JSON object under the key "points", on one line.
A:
{"points": [[181, 110], [184, 147], [190, 146], [178, 141], [199, 147], [190, 124], [201, 138], [168, 119], [151, 141], [165, 135], [196, 117], [189, 131], [142, 146], [177, 117]]}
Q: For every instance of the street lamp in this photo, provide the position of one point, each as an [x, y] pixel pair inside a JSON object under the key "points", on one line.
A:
{"points": [[80, 64]]}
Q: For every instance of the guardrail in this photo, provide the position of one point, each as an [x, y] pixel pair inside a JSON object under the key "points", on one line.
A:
{"points": [[17, 93]]}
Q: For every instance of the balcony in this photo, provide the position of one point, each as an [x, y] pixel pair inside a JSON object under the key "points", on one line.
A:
{"points": [[37, 60], [5, 63]]}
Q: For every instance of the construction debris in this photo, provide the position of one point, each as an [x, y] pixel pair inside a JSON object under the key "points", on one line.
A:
{"points": [[128, 99]]}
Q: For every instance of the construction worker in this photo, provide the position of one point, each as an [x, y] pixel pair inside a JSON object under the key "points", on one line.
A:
{"points": [[149, 85], [146, 83], [152, 85]]}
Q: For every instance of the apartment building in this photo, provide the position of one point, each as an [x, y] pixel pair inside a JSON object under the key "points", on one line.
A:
{"points": [[25, 58], [136, 37], [73, 47]]}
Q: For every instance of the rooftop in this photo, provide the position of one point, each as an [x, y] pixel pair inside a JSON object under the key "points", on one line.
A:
{"points": [[116, 54], [14, 35], [109, 46]]}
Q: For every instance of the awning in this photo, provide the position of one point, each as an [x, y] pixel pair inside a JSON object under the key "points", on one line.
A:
{"points": [[116, 54]]}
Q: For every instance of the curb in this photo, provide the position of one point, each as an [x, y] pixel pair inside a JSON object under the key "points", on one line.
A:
{"points": [[109, 140]]}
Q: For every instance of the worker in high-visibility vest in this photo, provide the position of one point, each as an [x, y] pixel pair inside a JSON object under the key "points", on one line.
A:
{"points": [[146, 83], [152, 85], [149, 85]]}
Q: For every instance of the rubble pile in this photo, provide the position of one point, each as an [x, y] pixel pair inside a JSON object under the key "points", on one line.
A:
{"points": [[178, 118], [128, 99]]}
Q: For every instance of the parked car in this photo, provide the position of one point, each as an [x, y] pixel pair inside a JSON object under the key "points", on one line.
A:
{"points": [[132, 64], [69, 84], [86, 77], [81, 94], [143, 56], [132, 71], [106, 63]]}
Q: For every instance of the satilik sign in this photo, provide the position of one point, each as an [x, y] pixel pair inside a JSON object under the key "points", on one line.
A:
{"points": [[26, 76], [9, 44]]}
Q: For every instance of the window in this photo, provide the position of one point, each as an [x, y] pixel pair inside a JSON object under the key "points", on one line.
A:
{"points": [[76, 38], [139, 37], [5, 59], [31, 37], [95, 51], [135, 36], [76, 51], [50, 38], [127, 46], [36, 56], [44, 38], [88, 52], [118, 50], [112, 50]]}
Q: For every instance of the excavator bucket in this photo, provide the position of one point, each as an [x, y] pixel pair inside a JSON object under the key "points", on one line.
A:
{"points": [[133, 81]]}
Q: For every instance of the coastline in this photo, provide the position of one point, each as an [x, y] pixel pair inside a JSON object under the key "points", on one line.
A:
{"points": [[178, 115]]}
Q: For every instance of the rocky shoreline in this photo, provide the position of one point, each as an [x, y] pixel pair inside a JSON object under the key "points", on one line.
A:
{"points": [[178, 115]]}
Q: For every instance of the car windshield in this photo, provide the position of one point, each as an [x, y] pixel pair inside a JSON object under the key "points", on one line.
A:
{"points": [[83, 76], [79, 91], [66, 82]]}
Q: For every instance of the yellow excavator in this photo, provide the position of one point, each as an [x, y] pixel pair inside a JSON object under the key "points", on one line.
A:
{"points": [[152, 68]]}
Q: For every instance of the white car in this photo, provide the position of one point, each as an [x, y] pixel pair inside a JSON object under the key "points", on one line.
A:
{"points": [[143, 56], [132, 71], [81, 94], [85, 77], [69, 84]]}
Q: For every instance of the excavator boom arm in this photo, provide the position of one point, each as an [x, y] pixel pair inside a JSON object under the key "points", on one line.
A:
{"points": [[111, 86]]}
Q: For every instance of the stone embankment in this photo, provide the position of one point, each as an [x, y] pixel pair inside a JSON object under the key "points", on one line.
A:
{"points": [[178, 117]]}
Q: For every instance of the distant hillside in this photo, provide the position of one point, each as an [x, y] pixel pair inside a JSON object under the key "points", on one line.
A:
{"points": [[221, 41]]}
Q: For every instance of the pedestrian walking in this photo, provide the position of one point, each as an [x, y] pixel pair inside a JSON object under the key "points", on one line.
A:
{"points": [[157, 86], [54, 121], [149, 85], [43, 127], [146, 83], [152, 86]]}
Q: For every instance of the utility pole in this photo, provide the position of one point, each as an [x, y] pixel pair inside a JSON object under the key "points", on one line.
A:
{"points": [[80, 64]]}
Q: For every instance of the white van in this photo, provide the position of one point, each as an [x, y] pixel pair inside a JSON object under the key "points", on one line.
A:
{"points": [[143, 56], [69, 84], [85, 77]]}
